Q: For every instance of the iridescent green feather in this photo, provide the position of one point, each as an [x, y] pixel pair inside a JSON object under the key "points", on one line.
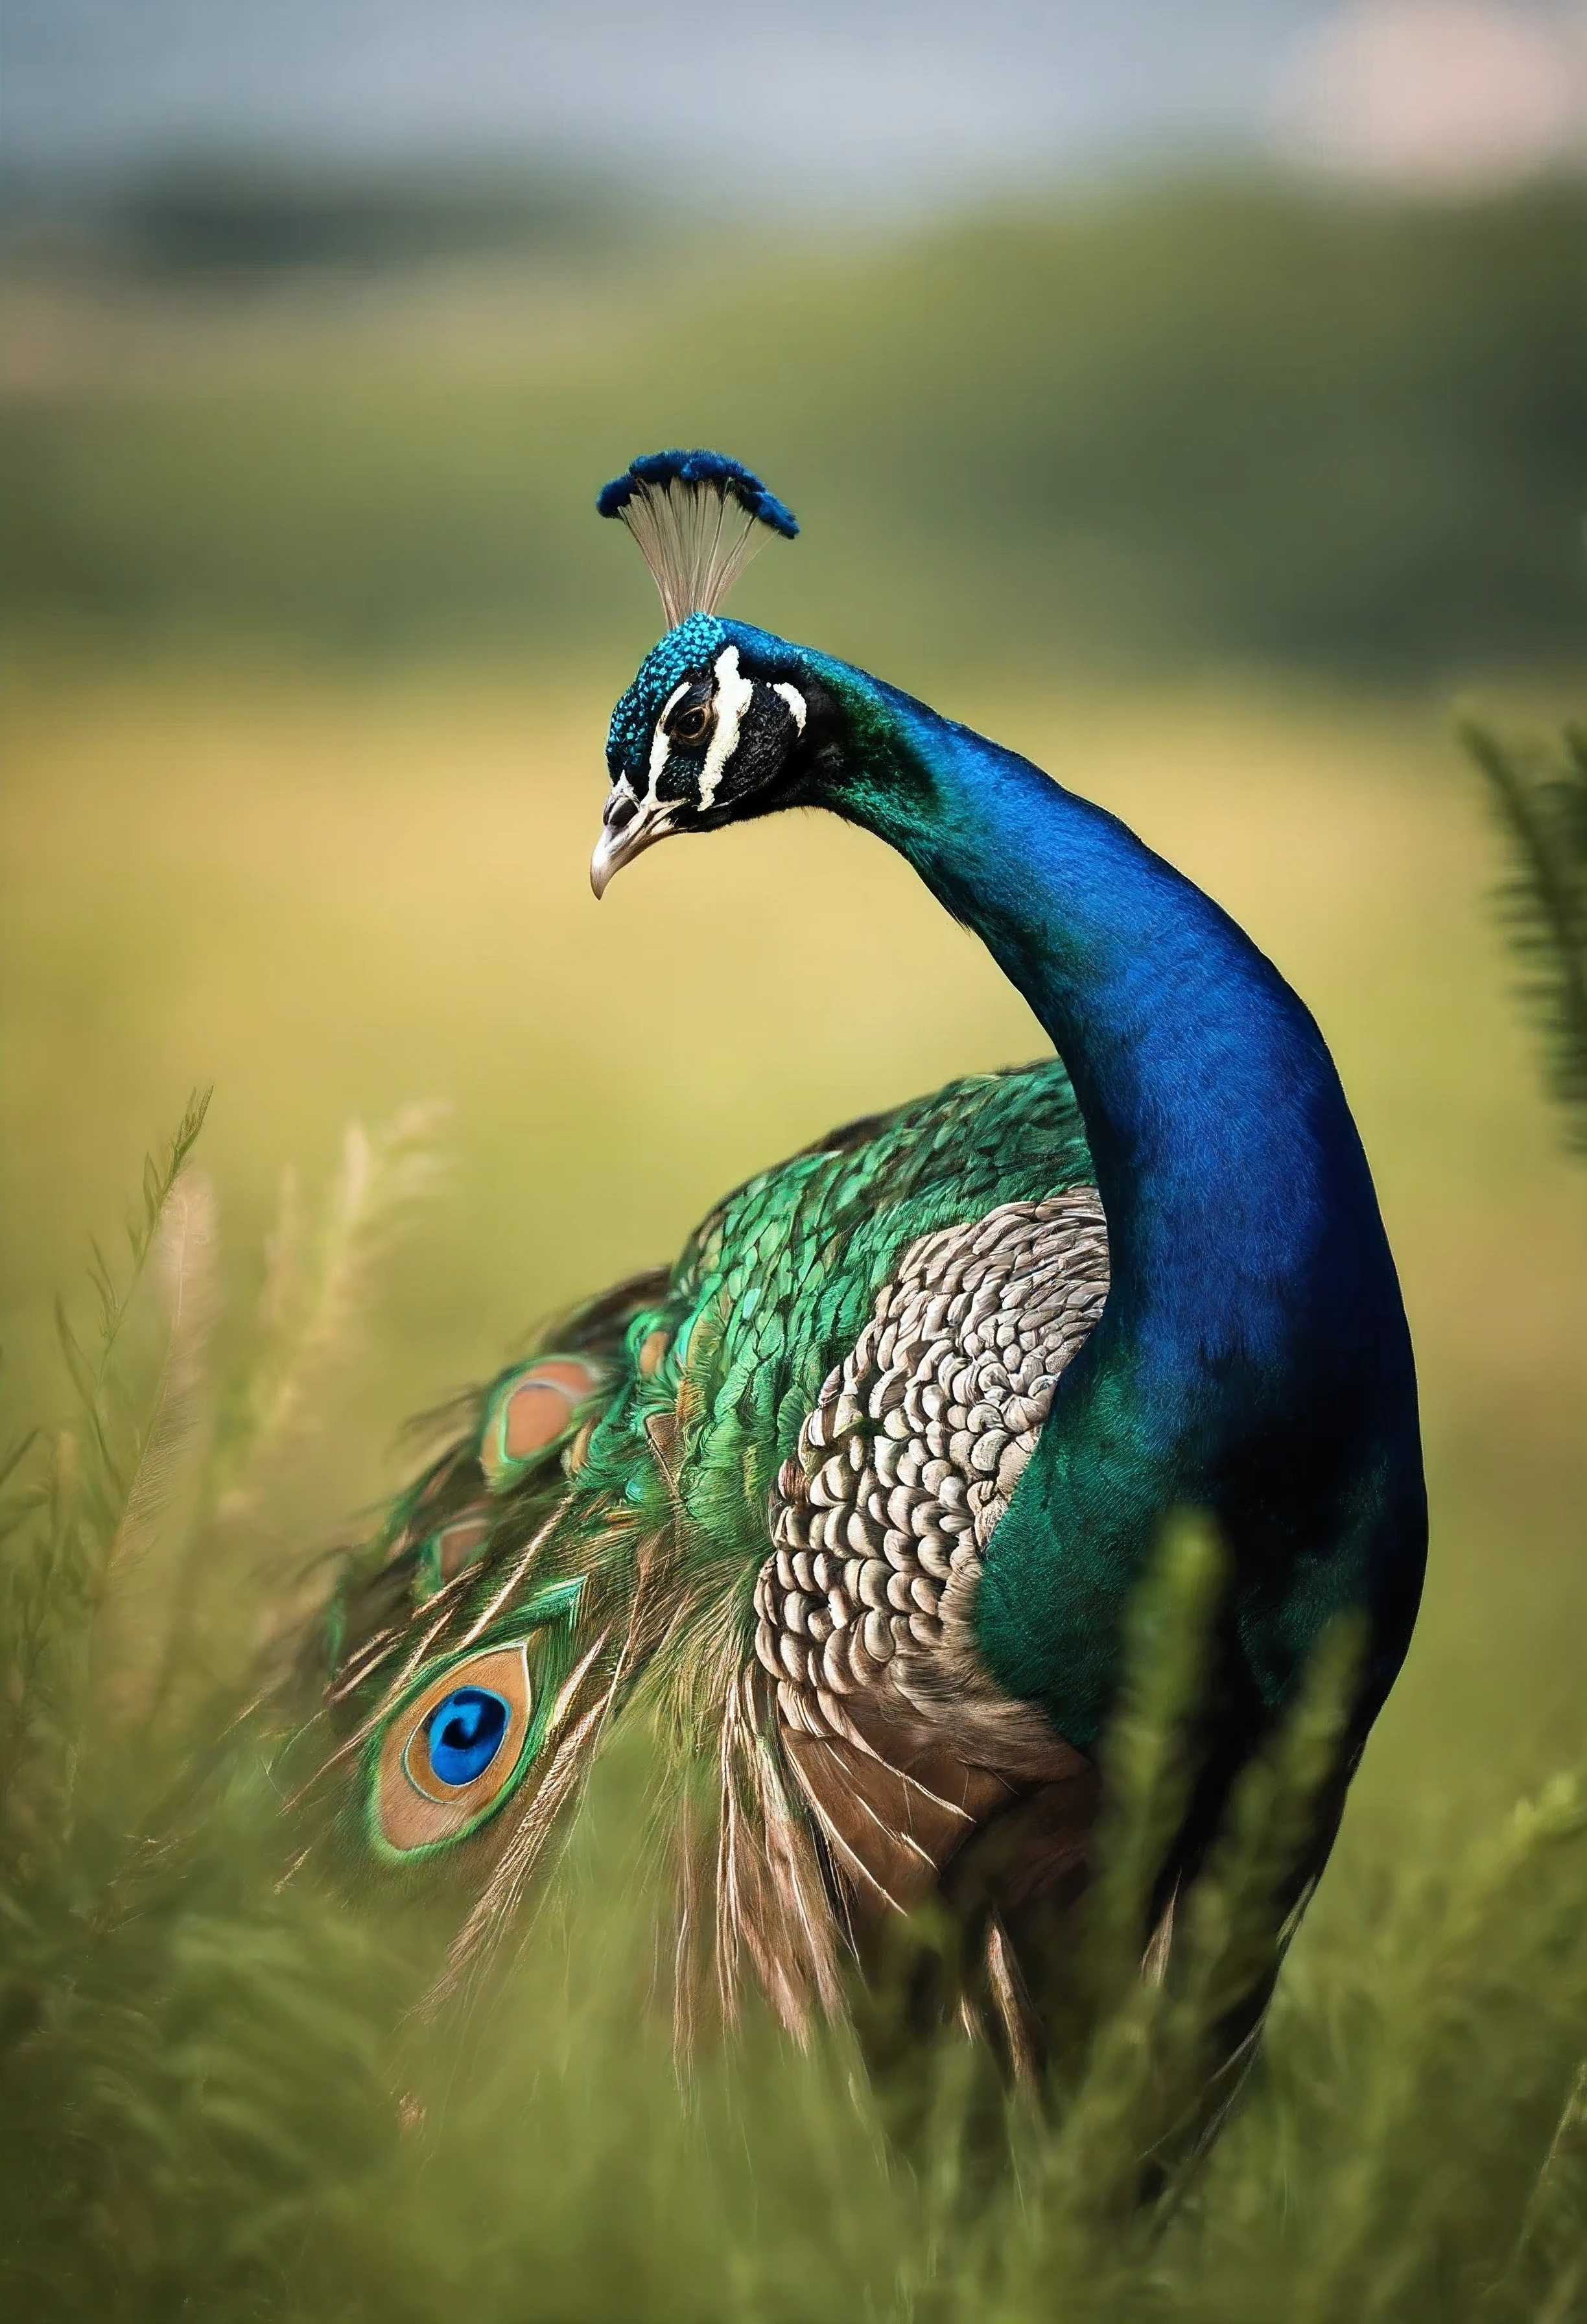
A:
{"points": [[654, 1500]]}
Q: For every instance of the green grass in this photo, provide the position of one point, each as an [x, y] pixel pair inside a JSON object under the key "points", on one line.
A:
{"points": [[333, 895]]}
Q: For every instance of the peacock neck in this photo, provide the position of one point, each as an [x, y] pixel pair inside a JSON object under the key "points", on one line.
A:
{"points": [[1216, 1124], [1254, 1300]]}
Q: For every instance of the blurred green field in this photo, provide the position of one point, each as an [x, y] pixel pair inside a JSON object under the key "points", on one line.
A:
{"points": [[329, 896]]}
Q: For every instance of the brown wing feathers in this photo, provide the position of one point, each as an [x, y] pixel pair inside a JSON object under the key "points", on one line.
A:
{"points": [[909, 1759]]}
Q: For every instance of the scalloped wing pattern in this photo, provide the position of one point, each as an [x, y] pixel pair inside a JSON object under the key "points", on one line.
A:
{"points": [[881, 1519]]}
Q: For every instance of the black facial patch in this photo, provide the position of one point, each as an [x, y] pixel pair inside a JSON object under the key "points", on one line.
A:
{"points": [[680, 778], [766, 736]]}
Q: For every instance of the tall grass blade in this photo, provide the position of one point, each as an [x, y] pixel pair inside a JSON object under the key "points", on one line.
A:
{"points": [[143, 1562]]}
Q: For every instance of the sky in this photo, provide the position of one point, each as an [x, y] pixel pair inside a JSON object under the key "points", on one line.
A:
{"points": [[878, 106]]}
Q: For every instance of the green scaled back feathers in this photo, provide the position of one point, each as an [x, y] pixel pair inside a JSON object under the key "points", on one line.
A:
{"points": [[624, 1541]]}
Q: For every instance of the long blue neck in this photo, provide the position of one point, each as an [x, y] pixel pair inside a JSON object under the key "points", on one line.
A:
{"points": [[1253, 1357], [1213, 1113]]}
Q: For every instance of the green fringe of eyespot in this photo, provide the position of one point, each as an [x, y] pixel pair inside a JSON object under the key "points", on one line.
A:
{"points": [[550, 1615]]}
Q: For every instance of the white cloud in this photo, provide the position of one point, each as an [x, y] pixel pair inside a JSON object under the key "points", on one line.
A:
{"points": [[1442, 95]]}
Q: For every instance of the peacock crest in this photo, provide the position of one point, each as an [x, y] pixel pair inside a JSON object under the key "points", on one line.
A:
{"points": [[698, 518]]}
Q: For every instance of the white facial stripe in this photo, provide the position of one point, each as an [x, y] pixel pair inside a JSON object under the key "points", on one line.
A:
{"points": [[734, 695], [794, 700], [660, 748]]}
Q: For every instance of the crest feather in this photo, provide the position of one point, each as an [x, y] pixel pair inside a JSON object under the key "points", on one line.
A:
{"points": [[698, 518]]}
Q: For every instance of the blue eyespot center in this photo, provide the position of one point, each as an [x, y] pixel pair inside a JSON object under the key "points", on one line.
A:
{"points": [[465, 1733]]}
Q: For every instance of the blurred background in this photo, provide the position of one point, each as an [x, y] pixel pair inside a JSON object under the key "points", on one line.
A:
{"points": [[1195, 398]]}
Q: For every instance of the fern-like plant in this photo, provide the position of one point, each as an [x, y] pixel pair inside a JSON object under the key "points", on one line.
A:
{"points": [[179, 2031], [1538, 796]]}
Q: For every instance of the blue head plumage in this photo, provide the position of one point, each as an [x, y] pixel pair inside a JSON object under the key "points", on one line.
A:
{"points": [[691, 647]]}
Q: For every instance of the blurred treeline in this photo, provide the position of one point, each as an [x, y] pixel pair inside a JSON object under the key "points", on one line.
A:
{"points": [[217, 221], [1238, 422]]}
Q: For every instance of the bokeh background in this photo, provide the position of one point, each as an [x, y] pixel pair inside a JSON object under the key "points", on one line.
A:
{"points": [[1195, 398]]}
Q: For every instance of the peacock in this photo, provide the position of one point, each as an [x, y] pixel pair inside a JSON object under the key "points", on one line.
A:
{"points": [[854, 1497]]}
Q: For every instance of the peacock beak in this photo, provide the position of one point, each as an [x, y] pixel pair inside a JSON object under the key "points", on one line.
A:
{"points": [[628, 827]]}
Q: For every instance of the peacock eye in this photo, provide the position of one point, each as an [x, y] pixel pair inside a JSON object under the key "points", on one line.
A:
{"points": [[465, 1734], [689, 725]]}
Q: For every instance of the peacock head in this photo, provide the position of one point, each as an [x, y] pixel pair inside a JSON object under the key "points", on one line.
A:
{"points": [[715, 720]]}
